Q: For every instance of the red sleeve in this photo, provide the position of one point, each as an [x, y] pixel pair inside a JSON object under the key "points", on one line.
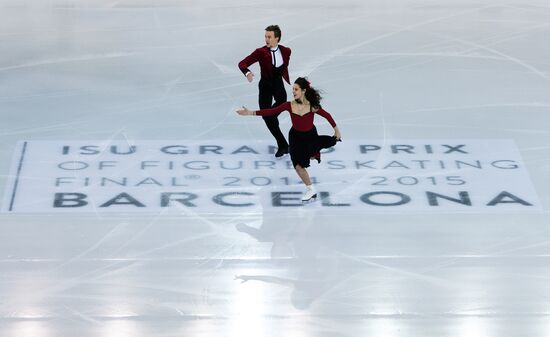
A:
{"points": [[285, 73], [327, 116], [248, 61], [275, 110]]}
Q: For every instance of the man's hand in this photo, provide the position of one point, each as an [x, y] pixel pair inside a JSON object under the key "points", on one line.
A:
{"points": [[250, 76]]}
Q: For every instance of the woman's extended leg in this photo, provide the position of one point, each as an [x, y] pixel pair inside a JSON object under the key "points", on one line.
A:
{"points": [[302, 173]]}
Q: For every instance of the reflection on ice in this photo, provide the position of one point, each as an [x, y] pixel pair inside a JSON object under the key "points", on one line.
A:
{"points": [[432, 216], [311, 267]]}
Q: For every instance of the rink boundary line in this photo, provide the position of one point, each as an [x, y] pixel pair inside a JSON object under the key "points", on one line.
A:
{"points": [[16, 183]]}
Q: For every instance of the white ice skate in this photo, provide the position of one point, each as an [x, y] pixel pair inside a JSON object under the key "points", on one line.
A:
{"points": [[310, 195]]}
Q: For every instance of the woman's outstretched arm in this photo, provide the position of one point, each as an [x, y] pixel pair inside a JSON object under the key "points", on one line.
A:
{"points": [[264, 112]]}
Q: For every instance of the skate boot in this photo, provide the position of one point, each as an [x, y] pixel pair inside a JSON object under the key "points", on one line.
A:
{"points": [[310, 195], [281, 151]]}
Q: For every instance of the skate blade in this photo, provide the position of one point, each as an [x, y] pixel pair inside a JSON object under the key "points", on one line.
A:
{"points": [[310, 200]]}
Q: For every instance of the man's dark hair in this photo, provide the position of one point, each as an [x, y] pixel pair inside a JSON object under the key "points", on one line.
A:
{"points": [[276, 30]]}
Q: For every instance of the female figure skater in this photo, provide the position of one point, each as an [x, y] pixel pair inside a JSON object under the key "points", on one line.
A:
{"points": [[304, 141]]}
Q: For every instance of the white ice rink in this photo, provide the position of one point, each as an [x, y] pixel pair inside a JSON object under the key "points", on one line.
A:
{"points": [[446, 234]]}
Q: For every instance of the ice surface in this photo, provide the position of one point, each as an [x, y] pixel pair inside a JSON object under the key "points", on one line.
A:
{"points": [[165, 70]]}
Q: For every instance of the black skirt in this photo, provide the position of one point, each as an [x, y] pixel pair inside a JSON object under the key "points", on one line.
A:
{"points": [[306, 145]]}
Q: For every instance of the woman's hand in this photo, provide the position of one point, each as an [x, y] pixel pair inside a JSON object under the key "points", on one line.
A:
{"points": [[337, 134], [245, 112]]}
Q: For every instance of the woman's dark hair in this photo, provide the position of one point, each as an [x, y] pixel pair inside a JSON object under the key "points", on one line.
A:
{"points": [[276, 31], [312, 95]]}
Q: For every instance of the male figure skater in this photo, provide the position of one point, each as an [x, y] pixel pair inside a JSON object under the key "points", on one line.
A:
{"points": [[273, 59]]}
